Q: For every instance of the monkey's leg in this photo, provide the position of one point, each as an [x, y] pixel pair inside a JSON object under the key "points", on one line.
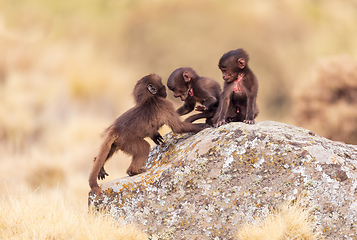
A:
{"points": [[256, 111], [249, 119], [140, 155], [209, 121], [157, 138]]}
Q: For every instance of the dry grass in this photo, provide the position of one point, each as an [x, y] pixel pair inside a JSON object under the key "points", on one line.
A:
{"points": [[289, 222], [67, 69], [44, 217]]}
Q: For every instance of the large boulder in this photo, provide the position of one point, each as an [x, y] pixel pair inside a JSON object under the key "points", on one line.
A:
{"points": [[204, 186]]}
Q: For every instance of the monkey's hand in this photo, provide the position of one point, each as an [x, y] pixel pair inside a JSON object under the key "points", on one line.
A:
{"points": [[201, 108], [249, 121], [220, 123], [158, 139], [102, 173]]}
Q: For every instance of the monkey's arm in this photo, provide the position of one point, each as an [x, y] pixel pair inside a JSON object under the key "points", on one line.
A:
{"points": [[220, 117], [222, 111], [204, 93], [172, 119], [187, 107], [187, 127], [251, 90], [157, 138], [184, 127], [208, 104], [208, 100], [205, 114]]}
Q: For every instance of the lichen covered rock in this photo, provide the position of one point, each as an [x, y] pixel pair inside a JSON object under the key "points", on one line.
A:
{"points": [[204, 186]]}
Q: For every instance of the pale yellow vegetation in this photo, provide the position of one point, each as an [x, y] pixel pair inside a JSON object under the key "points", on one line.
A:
{"points": [[50, 217], [288, 222]]}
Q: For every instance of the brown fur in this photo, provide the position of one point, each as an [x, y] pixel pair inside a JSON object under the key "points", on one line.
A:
{"points": [[239, 106], [127, 133], [206, 91]]}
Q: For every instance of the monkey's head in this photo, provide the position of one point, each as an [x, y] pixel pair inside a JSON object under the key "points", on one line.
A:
{"points": [[148, 87], [232, 63], [180, 82]]}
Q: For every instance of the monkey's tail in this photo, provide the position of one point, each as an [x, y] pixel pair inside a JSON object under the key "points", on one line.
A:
{"points": [[93, 184], [99, 162]]}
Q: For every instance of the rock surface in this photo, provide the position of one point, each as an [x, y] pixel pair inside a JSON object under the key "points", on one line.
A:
{"points": [[205, 186]]}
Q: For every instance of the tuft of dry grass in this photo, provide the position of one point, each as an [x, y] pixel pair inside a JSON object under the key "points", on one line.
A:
{"points": [[48, 217], [289, 222]]}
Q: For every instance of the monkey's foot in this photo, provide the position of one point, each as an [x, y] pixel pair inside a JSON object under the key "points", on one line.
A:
{"points": [[133, 173], [102, 173], [220, 123], [158, 139], [249, 121]]}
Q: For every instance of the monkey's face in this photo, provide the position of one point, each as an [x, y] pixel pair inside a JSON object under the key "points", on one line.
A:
{"points": [[228, 75], [176, 83], [160, 89], [229, 69], [180, 91]]}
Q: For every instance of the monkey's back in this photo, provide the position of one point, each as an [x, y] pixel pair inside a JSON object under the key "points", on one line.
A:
{"points": [[211, 84], [141, 121]]}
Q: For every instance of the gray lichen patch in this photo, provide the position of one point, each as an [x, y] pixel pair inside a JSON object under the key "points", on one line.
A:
{"points": [[206, 185]]}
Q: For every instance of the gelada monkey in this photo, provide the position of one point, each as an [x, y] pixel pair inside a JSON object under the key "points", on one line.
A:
{"points": [[191, 88], [127, 133], [240, 89]]}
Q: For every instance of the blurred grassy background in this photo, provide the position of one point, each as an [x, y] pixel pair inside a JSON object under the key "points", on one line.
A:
{"points": [[67, 70]]}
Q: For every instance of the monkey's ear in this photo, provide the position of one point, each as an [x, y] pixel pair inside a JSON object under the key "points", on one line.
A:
{"points": [[241, 63], [186, 76], [152, 89]]}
